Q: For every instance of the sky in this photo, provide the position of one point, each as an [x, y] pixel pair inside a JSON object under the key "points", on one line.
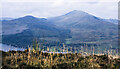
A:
{"points": [[50, 8]]}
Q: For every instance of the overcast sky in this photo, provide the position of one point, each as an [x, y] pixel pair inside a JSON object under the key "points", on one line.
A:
{"points": [[51, 8]]}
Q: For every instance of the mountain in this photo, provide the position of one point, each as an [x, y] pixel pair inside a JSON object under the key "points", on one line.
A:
{"points": [[6, 18], [85, 27], [27, 23], [115, 21], [75, 17], [71, 28], [22, 31]]}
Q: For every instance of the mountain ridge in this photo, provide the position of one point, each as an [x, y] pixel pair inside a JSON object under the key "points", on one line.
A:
{"points": [[74, 26]]}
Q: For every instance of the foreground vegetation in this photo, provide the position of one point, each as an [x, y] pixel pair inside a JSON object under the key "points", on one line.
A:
{"points": [[37, 59]]}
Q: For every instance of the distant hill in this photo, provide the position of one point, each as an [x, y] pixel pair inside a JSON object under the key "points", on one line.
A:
{"points": [[6, 18], [86, 27], [22, 31], [112, 20], [75, 27]]}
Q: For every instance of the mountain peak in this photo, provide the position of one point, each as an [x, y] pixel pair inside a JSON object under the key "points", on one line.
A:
{"points": [[76, 12], [29, 16]]}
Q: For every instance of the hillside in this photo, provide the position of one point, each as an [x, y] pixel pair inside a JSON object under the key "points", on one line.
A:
{"points": [[22, 31], [86, 27], [75, 27]]}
